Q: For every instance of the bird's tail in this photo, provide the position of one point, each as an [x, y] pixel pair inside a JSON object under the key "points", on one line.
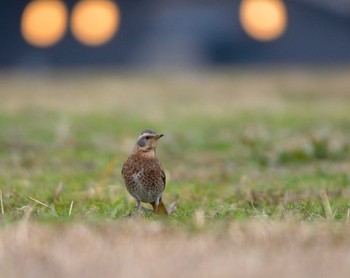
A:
{"points": [[160, 209]]}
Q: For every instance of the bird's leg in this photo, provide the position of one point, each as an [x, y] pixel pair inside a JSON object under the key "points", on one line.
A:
{"points": [[138, 205], [141, 208]]}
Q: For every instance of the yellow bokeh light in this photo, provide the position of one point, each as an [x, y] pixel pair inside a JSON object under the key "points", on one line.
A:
{"points": [[44, 22], [95, 22], [263, 20]]}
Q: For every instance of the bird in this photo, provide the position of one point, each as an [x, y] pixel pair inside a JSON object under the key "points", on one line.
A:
{"points": [[143, 174]]}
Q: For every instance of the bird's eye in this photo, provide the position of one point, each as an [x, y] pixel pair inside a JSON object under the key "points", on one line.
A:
{"points": [[147, 137]]}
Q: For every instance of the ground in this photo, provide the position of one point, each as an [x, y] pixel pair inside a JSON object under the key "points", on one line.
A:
{"points": [[257, 160]]}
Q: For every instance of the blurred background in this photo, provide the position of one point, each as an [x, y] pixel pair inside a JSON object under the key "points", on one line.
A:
{"points": [[138, 33]]}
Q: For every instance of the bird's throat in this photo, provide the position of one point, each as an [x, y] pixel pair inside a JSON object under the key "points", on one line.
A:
{"points": [[151, 153]]}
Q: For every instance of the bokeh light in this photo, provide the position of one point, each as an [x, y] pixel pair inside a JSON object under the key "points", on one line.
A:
{"points": [[263, 20], [44, 22], [95, 22]]}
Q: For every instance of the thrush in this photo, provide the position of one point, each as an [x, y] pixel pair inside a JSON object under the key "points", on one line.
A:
{"points": [[143, 174]]}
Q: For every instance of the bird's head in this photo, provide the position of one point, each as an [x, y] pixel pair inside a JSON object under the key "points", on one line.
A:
{"points": [[147, 141]]}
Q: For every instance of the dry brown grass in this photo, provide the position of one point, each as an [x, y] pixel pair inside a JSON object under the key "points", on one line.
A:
{"points": [[142, 249]]}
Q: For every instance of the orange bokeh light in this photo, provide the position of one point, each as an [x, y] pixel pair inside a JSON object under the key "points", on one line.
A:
{"points": [[44, 22], [263, 20], [95, 22]]}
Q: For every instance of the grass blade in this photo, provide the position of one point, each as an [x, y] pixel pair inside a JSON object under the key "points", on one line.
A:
{"points": [[70, 208], [41, 203], [1, 203], [326, 205]]}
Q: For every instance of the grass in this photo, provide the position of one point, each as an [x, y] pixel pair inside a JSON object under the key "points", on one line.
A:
{"points": [[242, 149]]}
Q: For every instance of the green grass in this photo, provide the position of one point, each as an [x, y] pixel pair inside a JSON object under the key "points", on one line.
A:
{"points": [[233, 151]]}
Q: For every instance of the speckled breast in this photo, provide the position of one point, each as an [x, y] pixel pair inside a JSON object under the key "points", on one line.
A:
{"points": [[143, 179]]}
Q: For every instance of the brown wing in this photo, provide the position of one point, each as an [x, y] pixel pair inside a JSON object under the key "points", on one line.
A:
{"points": [[163, 176]]}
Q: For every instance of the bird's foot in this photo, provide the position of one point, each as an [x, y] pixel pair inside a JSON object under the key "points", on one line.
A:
{"points": [[145, 210], [140, 210]]}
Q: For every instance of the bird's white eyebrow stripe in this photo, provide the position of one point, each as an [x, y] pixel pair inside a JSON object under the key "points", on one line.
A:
{"points": [[146, 134]]}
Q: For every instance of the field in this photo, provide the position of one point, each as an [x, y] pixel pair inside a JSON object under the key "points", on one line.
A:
{"points": [[257, 161]]}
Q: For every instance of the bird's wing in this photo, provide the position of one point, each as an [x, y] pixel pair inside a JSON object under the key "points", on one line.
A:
{"points": [[163, 176]]}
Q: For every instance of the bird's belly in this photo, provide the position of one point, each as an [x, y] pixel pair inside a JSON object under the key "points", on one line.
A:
{"points": [[145, 193], [146, 196]]}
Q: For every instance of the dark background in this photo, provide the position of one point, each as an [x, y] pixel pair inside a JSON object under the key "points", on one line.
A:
{"points": [[188, 33]]}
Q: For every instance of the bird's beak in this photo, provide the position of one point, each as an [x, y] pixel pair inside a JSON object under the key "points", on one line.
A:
{"points": [[158, 136]]}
